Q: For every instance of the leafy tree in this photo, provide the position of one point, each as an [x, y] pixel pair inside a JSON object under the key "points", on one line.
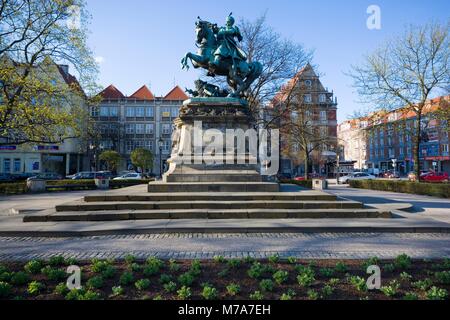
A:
{"points": [[40, 101], [406, 72], [112, 159], [142, 159]]}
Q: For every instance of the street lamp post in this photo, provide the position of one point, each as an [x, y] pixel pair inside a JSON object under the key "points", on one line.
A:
{"points": [[160, 145]]}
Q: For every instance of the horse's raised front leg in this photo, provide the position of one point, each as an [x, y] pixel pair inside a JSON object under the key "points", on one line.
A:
{"points": [[185, 61]]}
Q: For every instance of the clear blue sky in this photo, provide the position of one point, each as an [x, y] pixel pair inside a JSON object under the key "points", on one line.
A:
{"points": [[142, 41]]}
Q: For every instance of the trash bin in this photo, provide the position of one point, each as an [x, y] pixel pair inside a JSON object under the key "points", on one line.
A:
{"points": [[36, 185], [102, 184], [320, 184]]}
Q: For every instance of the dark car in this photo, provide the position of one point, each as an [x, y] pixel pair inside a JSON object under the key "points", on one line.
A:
{"points": [[46, 176], [284, 176], [391, 175], [6, 177], [86, 175]]}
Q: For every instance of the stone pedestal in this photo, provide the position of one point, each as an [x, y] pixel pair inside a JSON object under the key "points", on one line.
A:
{"points": [[36, 185], [225, 158]]}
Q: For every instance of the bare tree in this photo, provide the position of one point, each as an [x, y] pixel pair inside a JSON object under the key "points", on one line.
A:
{"points": [[36, 38], [406, 72]]}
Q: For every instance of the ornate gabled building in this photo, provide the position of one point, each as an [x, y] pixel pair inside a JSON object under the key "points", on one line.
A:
{"points": [[141, 120], [315, 116]]}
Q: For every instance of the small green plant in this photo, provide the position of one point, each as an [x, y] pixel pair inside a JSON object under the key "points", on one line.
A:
{"points": [[436, 293], [209, 293], [274, 258], [410, 296], [90, 295], [33, 266], [292, 260], [233, 289], [173, 266], [327, 291], [341, 267], [158, 297], [358, 282], [135, 267], [334, 282], [170, 287], [404, 276], [34, 288], [151, 270], [71, 262], [257, 295], [285, 297], [109, 272], [373, 261], [390, 267], [313, 295], [423, 284], [184, 293], [99, 266], [219, 259], [153, 261], [129, 259], [165, 278], [402, 262], [5, 277], [391, 289], [249, 259], [266, 285], [142, 284], [186, 279], [280, 276], [256, 270], [196, 267], [306, 277], [326, 272], [57, 261], [442, 277], [126, 278], [54, 274], [75, 294], [117, 291], [234, 263], [5, 289], [20, 278], [96, 282], [223, 273], [3, 269]]}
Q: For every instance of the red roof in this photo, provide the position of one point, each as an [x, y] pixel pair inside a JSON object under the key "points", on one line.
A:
{"points": [[143, 94], [176, 94], [112, 92]]}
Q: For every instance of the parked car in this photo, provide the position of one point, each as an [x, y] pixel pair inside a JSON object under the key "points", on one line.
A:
{"points": [[6, 177], [300, 178], [46, 176], [86, 175], [356, 176], [391, 175], [130, 176], [104, 175], [434, 177], [284, 176]]}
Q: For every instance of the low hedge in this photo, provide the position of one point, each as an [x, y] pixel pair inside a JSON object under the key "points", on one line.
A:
{"points": [[428, 189], [57, 185], [304, 184]]}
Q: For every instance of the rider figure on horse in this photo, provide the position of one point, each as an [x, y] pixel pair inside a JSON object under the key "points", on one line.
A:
{"points": [[228, 48]]}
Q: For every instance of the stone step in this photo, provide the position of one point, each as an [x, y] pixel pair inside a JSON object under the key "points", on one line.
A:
{"points": [[165, 215], [287, 196], [161, 187], [206, 177], [185, 205]]}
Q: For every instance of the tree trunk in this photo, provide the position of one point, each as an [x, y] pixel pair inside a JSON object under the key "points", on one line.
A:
{"points": [[417, 147], [306, 156]]}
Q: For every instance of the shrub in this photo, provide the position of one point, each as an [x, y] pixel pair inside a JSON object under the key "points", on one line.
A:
{"points": [[249, 259], [256, 270], [219, 259], [184, 293], [280, 276], [129, 259], [389, 267], [186, 279], [305, 279], [135, 267], [20, 278], [173, 266], [126, 278], [437, 294], [54, 274], [33, 266], [334, 282], [233, 289], [223, 273], [358, 282], [257, 295], [266, 285], [142, 284], [195, 267], [209, 293], [274, 258], [326, 272], [443, 277], [117, 291], [391, 289], [109, 272], [404, 276], [34, 288], [341, 267], [327, 291], [153, 261], [292, 260], [61, 289], [402, 262], [429, 189], [71, 261], [234, 263], [373, 261], [96, 282], [423, 284], [285, 297], [165, 278], [90, 295], [5, 277], [410, 296], [99, 266], [313, 295], [3, 269], [158, 297], [170, 287], [13, 188], [151, 270], [5, 289], [57, 261]]}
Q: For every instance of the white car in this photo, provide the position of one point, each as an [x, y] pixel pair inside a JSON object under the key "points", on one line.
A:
{"points": [[130, 176], [356, 176]]}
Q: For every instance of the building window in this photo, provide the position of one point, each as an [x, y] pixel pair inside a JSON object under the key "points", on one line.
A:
{"points": [[104, 112], [130, 112], [174, 112], [140, 112], [307, 98], [94, 111], [149, 128], [129, 128], [140, 127], [165, 112], [129, 146], [140, 144], [308, 83], [17, 165], [323, 116], [445, 148], [166, 146], [149, 145], [114, 112], [6, 165], [322, 98], [149, 112], [166, 129]]}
